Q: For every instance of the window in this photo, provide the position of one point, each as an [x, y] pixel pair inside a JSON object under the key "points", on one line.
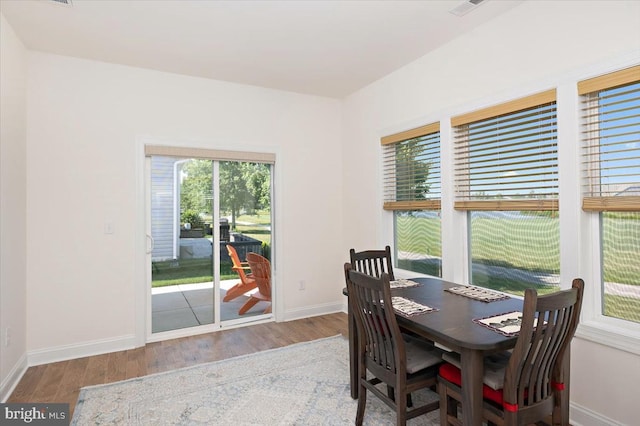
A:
{"points": [[611, 184], [506, 178], [411, 186]]}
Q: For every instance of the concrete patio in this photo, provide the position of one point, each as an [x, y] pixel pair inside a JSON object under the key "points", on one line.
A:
{"points": [[189, 305]]}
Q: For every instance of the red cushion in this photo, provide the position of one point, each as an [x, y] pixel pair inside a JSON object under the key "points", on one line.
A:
{"points": [[452, 373]]}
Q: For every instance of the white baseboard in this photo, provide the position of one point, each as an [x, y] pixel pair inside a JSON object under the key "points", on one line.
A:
{"points": [[13, 378], [582, 416], [79, 350], [312, 311]]}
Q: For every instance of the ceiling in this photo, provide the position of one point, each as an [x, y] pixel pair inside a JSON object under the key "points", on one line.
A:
{"points": [[327, 48]]}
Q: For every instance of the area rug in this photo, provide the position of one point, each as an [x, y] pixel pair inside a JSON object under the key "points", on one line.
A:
{"points": [[300, 384]]}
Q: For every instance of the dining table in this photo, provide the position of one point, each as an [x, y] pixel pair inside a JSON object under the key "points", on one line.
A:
{"points": [[453, 325]]}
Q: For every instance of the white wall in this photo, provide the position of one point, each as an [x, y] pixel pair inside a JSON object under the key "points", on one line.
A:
{"points": [[12, 207], [86, 119], [529, 49]]}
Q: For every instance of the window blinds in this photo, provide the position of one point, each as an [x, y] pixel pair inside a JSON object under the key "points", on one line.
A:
{"points": [[611, 141], [506, 156], [411, 169]]}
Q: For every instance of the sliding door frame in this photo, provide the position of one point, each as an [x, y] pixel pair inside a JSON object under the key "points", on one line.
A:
{"points": [[145, 147]]}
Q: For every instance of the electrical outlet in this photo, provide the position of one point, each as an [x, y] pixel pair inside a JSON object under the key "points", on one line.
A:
{"points": [[108, 228], [7, 336], [301, 285]]}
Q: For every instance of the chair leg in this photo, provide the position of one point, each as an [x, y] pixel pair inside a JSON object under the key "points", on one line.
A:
{"points": [[248, 305], [237, 291], [448, 405], [401, 409], [362, 402]]}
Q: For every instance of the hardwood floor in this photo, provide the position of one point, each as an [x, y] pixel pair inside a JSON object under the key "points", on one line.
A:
{"points": [[61, 381]]}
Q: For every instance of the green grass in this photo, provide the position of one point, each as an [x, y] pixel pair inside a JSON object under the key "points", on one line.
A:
{"points": [[622, 307], [508, 285], [255, 232], [620, 241], [420, 267], [187, 271], [261, 218], [258, 232], [530, 245], [419, 235]]}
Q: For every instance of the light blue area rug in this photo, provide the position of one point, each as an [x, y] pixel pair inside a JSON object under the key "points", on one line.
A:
{"points": [[301, 384]]}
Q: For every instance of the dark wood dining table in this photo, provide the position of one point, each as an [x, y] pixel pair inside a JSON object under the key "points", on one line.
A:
{"points": [[451, 325]]}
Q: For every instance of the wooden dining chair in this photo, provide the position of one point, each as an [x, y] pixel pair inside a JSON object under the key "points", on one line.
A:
{"points": [[373, 262], [247, 282], [261, 271], [388, 356], [532, 374]]}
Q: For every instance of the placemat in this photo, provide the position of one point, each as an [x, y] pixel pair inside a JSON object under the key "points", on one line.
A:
{"points": [[476, 293], [402, 283], [407, 307], [507, 324]]}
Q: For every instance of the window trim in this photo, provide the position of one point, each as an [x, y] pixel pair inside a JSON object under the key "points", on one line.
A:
{"points": [[594, 326]]}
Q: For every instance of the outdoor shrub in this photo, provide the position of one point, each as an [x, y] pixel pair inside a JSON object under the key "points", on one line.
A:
{"points": [[192, 217], [266, 250]]}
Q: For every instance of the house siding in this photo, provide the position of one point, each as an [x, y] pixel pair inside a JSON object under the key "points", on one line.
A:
{"points": [[162, 190]]}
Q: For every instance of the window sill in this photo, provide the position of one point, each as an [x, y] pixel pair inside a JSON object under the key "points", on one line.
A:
{"points": [[623, 338]]}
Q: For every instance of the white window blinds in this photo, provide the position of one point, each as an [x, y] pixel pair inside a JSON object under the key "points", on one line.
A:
{"points": [[611, 141], [506, 156], [411, 169]]}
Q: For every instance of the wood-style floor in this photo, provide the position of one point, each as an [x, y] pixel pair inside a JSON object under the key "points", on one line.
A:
{"points": [[61, 381]]}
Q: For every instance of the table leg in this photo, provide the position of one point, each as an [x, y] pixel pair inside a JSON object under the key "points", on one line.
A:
{"points": [[472, 371], [353, 359]]}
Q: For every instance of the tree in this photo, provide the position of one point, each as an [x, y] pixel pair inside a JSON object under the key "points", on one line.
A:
{"points": [[234, 193], [259, 184], [243, 186], [412, 174], [196, 188]]}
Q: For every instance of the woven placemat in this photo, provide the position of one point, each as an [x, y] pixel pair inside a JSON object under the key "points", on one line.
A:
{"points": [[477, 293]]}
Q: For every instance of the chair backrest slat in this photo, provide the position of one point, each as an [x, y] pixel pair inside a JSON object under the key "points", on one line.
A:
{"points": [[237, 264], [261, 271]]}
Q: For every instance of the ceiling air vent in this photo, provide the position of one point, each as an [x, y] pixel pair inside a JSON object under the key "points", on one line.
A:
{"points": [[463, 8], [63, 2]]}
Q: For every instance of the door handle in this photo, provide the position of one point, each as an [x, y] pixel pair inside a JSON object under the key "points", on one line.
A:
{"points": [[150, 246]]}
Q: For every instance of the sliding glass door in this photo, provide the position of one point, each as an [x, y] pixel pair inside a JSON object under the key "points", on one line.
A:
{"points": [[203, 215]]}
